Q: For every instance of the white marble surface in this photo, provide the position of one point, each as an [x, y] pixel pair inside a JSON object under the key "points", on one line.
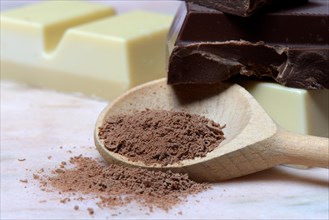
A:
{"points": [[36, 123]]}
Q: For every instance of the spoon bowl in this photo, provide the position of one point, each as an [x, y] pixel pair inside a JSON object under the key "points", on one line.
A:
{"points": [[253, 142]]}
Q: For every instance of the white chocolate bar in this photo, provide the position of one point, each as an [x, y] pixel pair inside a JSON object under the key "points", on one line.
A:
{"points": [[78, 47], [297, 110]]}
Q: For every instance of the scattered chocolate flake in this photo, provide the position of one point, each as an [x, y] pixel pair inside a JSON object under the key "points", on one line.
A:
{"points": [[76, 207], [65, 200], [49, 157], [41, 170], [114, 185], [159, 136], [21, 160], [62, 165], [79, 198], [24, 181], [36, 176], [91, 211]]}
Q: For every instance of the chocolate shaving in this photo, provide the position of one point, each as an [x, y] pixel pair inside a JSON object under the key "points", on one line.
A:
{"points": [[159, 136], [116, 185]]}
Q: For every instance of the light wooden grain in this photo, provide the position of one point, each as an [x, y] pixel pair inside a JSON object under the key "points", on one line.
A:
{"points": [[253, 141]]}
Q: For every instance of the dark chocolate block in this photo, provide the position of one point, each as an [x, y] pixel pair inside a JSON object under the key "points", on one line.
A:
{"points": [[291, 46], [243, 8]]}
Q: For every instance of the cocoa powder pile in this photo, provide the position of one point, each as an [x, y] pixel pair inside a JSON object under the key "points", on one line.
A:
{"points": [[152, 136], [159, 136], [116, 185]]}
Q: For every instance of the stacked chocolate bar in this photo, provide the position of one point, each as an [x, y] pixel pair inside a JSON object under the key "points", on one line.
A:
{"points": [[288, 41], [277, 49]]}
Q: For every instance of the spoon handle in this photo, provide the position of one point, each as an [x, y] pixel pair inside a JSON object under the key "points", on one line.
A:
{"points": [[302, 149]]}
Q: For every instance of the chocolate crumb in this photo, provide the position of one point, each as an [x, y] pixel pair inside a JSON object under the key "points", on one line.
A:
{"points": [[115, 185], [41, 170], [159, 136], [91, 211], [21, 160], [36, 176], [62, 165], [64, 201], [76, 207], [24, 181], [49, 157]]}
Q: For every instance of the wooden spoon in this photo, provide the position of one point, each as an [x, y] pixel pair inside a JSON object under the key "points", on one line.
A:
{"points": [[253, 141]]}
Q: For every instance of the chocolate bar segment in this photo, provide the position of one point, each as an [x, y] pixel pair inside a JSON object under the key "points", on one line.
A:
{"points": [[291, 46], [244, 8]]}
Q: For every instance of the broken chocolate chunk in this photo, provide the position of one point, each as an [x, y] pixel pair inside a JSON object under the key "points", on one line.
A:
{"points": [[245, 8], [291, 46]]}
